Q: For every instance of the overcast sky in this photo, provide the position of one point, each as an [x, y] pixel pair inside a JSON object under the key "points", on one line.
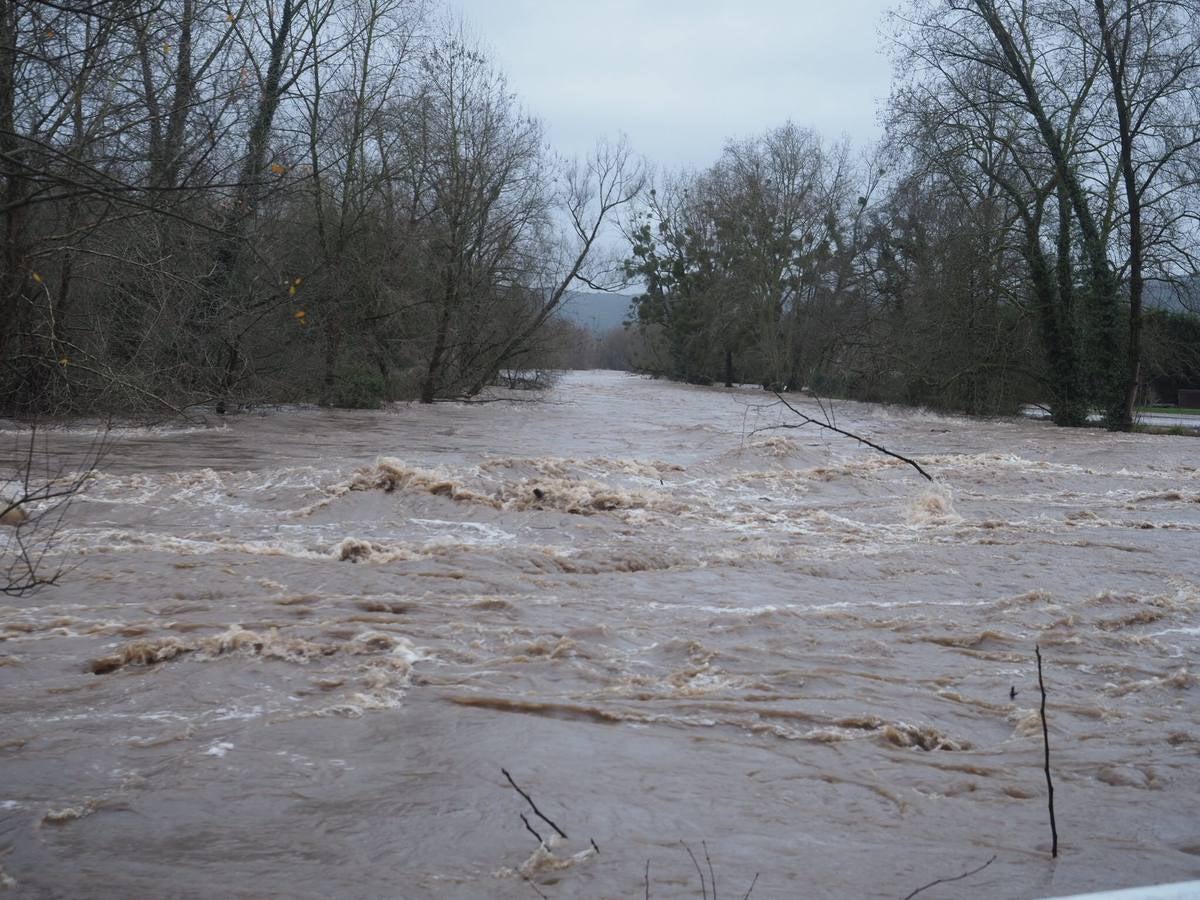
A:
{"points": [[682, 76]]}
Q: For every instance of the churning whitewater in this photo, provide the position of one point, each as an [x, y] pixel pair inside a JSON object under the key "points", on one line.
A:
{"points": [[293, 653]]}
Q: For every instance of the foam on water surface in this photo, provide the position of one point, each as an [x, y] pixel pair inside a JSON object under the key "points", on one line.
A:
{"points": [[292, 655]]}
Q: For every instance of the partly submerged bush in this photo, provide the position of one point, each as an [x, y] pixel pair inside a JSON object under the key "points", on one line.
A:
{"points": [[359, 388]]}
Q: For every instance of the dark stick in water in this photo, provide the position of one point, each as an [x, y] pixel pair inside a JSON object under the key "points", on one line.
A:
{"points": [[699, 871], [1046, 743], [537, 812], [925, 887], [531, 830], [809, 420]]}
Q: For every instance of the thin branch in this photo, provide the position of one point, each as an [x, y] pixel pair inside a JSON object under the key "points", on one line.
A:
{"points": [[699, 871], [34, 505], [531, 830], [974, 871], [1046, 743], [529, 881], [711, 875], [537, 812], [808, 420]]}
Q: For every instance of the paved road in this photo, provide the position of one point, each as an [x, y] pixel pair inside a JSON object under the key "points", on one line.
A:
{"points": [[1165, 420], [1169, 419]]}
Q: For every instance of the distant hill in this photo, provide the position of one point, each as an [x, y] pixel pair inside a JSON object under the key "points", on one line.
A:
{"points": [[1184, 297], [596, 312]]}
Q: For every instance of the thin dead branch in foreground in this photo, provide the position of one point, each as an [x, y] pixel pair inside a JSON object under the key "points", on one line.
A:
{"points": [[536, 889], [809, 420], [33, 503], [543, 845], [712, 877], [704, 882], [699, 871], [531, 830], [537, 812], [1046, 744], [974, 871]]}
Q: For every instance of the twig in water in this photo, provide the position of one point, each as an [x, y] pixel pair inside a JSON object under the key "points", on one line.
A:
{"points": [[948, 880], [1046, 743], [531, 830], [536, 889], [699, 871], [33, 506], [827, 413], [750, 890], [537, 812], [647, 879], [711, 875], [809, 420]]}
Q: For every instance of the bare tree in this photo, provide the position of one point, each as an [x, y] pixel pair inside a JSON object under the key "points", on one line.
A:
{"points": [[1152, 54], [755, 258], [198, 197], [595, 192], [1089, 100], [347, 104], [483, 183]]}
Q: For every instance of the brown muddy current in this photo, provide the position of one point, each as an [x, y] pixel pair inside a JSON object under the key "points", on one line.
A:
{"points": [[295, 651]]}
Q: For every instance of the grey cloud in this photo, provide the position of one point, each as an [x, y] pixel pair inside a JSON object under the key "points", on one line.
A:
{"points": [[680, 78]]}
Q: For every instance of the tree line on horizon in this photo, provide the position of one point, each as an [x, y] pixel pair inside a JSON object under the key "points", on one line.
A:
{"points": [[1039, 173], [228, 201], [341, 201]]}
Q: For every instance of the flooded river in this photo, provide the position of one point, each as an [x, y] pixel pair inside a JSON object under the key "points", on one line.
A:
{"points": [[294, 653]]}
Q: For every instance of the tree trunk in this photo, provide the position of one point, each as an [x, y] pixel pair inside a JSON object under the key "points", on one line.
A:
{"points": [[171, 151], [1104, 357], [13, 276], [333, 344], [1120, 417], [430, 384]]}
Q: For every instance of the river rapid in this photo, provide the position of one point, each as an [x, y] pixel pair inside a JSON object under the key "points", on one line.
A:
{"points": [[293, 653]]}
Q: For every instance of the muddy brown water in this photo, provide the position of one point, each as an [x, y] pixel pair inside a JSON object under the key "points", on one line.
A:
{"points": [[295, 651]]}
